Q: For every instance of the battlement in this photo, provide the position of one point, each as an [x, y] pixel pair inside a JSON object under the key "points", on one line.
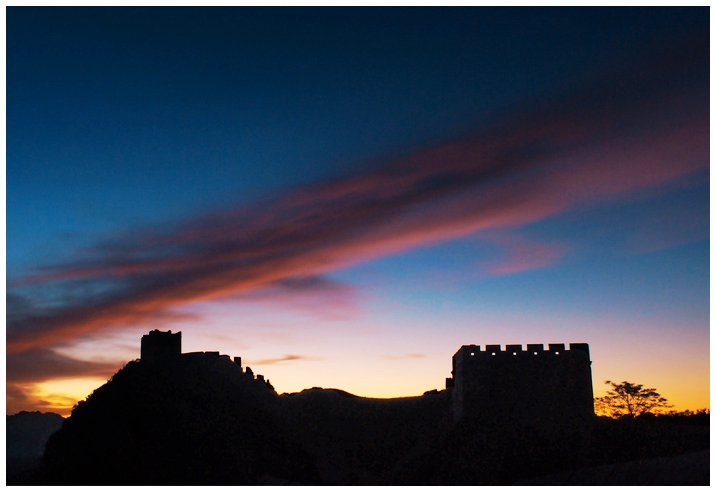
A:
{"points": [[518, 350], [532, 382]]}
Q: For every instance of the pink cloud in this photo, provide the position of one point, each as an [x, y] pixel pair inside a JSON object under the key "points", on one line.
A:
{"points": [[601, 143], [315, 296], [522, 255]]}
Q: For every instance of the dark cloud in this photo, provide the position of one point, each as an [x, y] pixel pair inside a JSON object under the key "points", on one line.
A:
{"points": [[42, 364], [609, 138], [15, 394]]}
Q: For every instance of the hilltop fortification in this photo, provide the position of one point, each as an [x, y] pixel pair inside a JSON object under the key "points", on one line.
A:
{"points": [[164, 348]]}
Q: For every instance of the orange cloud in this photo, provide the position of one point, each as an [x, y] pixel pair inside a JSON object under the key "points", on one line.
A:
{"points": [[405, 356], [285, 358]]}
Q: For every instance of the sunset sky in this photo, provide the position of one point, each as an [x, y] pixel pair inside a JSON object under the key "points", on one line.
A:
{"points": [[344, 197]]}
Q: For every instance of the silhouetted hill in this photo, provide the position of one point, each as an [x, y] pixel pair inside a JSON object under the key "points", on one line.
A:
{"points": [[198, 421], [27, 432], [359, 440]]}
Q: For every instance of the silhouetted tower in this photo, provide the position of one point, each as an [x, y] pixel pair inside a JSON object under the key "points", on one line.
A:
{"points": [[161, 346], [526, 385]]}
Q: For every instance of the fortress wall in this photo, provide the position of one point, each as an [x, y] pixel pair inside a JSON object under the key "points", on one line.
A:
{"points": [[528, 384]]}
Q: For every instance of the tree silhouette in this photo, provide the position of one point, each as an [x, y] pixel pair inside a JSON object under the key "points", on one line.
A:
{"points": [[630, 400]]}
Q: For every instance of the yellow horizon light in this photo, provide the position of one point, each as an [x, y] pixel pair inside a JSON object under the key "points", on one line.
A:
{"points": [[61, 395]]}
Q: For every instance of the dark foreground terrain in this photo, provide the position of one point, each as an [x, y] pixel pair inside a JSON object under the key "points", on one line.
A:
{"points": [[202, 420], [26, 434]]}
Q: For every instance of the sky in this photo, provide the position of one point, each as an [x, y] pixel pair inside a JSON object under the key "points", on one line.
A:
{"points": [[345, 196]]}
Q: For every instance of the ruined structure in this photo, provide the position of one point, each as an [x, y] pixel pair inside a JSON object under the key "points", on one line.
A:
{"points": [[160, 346], [532, 385], [164, 347]]}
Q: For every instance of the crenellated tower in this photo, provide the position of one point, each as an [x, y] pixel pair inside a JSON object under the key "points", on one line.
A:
{"points": [[527, 385]]}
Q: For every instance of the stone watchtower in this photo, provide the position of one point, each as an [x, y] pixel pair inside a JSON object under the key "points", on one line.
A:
{"points": [[532, 385], [161, 346]]}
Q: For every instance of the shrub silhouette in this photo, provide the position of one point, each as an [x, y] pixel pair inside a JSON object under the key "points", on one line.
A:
{"points": [[629, 400]]}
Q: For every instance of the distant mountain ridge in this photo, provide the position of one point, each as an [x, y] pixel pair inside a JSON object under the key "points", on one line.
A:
{"points": [[26, 433]]}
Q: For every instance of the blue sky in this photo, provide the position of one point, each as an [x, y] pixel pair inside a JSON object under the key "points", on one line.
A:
{"points": [[292, 182]]}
